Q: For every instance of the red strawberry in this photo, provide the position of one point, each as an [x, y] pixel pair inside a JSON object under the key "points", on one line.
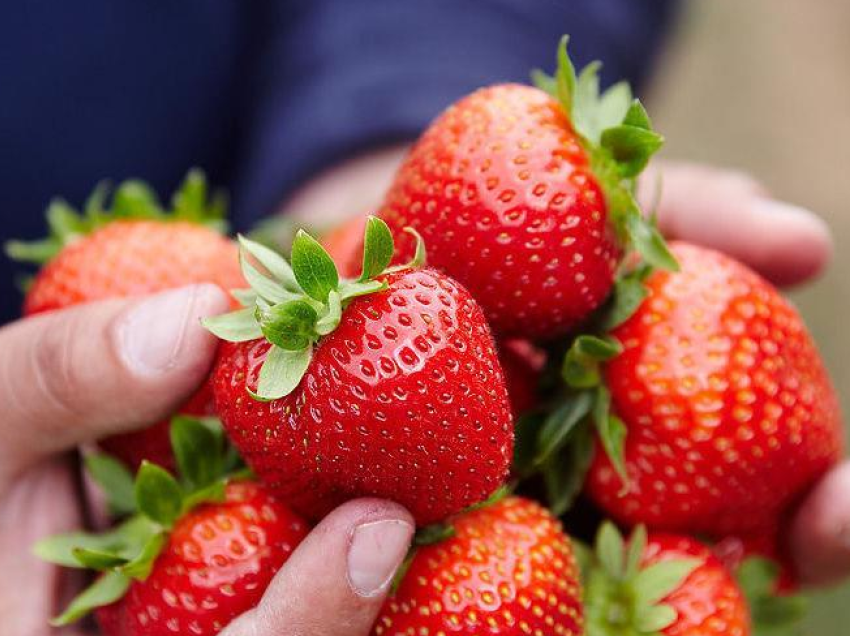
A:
{"points": [[386, 386], [668, 584], [522, 364], [525, 198], [217, 563], [132, 249], [509, 569], [196, 554], [730, 412]]}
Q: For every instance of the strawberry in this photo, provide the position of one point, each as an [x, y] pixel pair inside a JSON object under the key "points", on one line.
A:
{"points": [[385, 386], [196, 554], [508, 568], [525, 197], [132, 248], [729, 412], [661, 584]]}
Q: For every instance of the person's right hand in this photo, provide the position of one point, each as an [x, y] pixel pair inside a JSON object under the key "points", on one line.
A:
{"points": [[72, 376]]}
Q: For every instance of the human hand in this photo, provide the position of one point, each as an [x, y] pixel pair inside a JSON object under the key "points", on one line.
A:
{"points": [[73, 376], [733, 213]]}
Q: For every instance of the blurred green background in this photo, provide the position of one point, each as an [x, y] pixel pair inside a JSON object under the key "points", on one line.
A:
{"points": [[763, 85]]}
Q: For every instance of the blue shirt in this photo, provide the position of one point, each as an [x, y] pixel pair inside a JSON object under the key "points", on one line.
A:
{"points": [[259, 93]]}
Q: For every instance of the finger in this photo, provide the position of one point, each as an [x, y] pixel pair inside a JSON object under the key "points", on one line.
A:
{"points": [[336, 581], [88, 371], [820, 532], [730, 212]]}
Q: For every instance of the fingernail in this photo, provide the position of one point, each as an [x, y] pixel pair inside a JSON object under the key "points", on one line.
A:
{"points": [[377, 549], [153, 332]]}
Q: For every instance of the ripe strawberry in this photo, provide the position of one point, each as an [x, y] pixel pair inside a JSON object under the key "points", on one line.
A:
{"points": [[522, 364], [525, 197], [131, 249], [217, 563], [730, 412], [196, 553], [667, 584], [386, 386], [508, 569]]}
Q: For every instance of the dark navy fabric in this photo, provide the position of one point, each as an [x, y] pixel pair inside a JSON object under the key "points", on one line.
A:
{"points": [[261, 94]]}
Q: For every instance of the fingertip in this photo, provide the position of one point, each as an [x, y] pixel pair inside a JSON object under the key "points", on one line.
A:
{"points": [[794, 245], [819, 537]]}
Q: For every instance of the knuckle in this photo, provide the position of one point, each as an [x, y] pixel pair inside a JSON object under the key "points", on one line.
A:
{"points": [[59, 379]]}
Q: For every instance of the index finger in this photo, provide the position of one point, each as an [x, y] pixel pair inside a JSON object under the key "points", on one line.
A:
{"points": [[729, 211]]}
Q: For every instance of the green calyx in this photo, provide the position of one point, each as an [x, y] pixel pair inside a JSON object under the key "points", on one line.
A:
{"points": [[622, 597], [772, 614], [132, 199], [557, 443], [152, 504], [294, 304], [617, 134]]}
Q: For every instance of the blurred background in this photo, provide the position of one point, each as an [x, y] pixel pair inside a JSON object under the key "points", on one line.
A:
{"points": [[762, 85]]}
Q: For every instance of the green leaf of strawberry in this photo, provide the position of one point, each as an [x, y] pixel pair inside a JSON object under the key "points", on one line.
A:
{"points": [[294, 306], [115, 481], [132, 199], [106, 590], [314, 269], [624, 596], [129, 551]]}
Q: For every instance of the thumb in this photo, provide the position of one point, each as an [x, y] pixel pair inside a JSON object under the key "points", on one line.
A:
{"points": [[335, 582], [79, 374]]}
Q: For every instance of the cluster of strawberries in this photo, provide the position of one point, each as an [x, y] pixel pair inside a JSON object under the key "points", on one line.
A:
{"points": [[554, 349]]}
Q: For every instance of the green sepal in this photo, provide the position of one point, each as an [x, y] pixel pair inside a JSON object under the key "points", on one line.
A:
{"points": [[237, 326], [281, 372], [132, 199], [611, 432], [124, 540], [314, 269], [647, 240], [429, 535], [290, 326], [107, 589], [624, 597], [115, 481], [581, 363], [129, 551], [378, 248], [293, 305], [199, 450], [273, 262], [564, 474], [96, 559], [772, 614], [558, 426], [330, 321], [158, 494], [629, 293], [140, 567], [618, 137]]}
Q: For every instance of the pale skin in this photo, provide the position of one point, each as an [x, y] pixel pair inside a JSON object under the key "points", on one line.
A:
{"points": [[73, 376]]}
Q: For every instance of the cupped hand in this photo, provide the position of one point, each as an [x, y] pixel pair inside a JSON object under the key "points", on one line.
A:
{"points": [[731, 212], [72, 376]]}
